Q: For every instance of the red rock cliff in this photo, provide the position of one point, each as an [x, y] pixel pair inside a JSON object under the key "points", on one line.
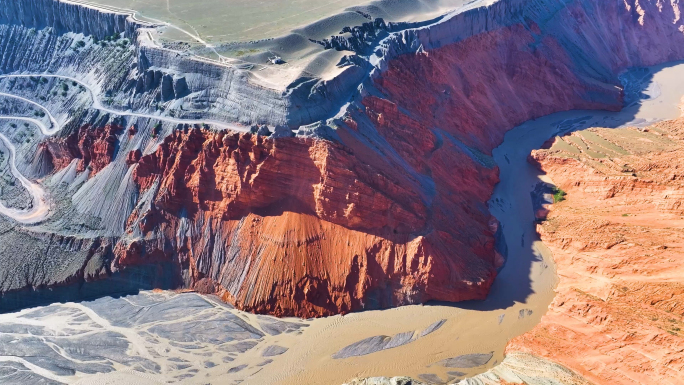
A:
{"points": [[93, 146], [305, 227]]}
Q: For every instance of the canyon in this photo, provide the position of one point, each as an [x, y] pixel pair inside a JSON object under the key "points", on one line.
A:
{"points": [[349, 181], [605, 196]]}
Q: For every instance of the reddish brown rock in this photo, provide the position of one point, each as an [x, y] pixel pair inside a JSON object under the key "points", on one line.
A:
{"points": [[94, 147], [132, 254], [231, 174], [310, 228], [133, 157], [481, 87]]}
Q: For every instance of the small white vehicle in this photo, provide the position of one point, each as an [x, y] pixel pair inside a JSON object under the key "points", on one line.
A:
{"points": [[276, 60]]}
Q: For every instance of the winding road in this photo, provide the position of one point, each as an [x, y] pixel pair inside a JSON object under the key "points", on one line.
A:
{"points": [[46, 131], [41, 207], [98, 106]]}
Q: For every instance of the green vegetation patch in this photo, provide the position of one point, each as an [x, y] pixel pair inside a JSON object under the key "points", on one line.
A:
{"points": [[558, 195]]}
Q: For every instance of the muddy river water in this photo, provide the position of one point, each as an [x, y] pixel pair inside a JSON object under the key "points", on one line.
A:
{"points": [[435, 342]]}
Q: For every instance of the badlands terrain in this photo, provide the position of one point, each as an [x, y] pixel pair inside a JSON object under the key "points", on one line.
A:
{"points": [[326, 192]]}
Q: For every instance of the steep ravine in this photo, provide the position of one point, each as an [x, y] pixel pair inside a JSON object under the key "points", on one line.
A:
{"points": [[614, 240]]}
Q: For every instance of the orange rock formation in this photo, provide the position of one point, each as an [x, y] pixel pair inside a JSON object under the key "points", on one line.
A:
{"points": [[619, 248]]}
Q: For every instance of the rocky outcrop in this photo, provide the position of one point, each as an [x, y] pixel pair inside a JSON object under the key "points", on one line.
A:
{"points": [[257, 173], [516, 368], [359, 38], [170, 87], [94, 147], [616, 241]]}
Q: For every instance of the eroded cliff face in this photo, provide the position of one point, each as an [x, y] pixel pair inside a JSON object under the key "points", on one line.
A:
{"points": [[544, 59], [617, 243], [65, 16], [94, 147], [297, 226]]}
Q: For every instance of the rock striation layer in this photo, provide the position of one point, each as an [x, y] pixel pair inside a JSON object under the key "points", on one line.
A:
{"points": [[299, 226], [66, 16], [93, 147]]}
